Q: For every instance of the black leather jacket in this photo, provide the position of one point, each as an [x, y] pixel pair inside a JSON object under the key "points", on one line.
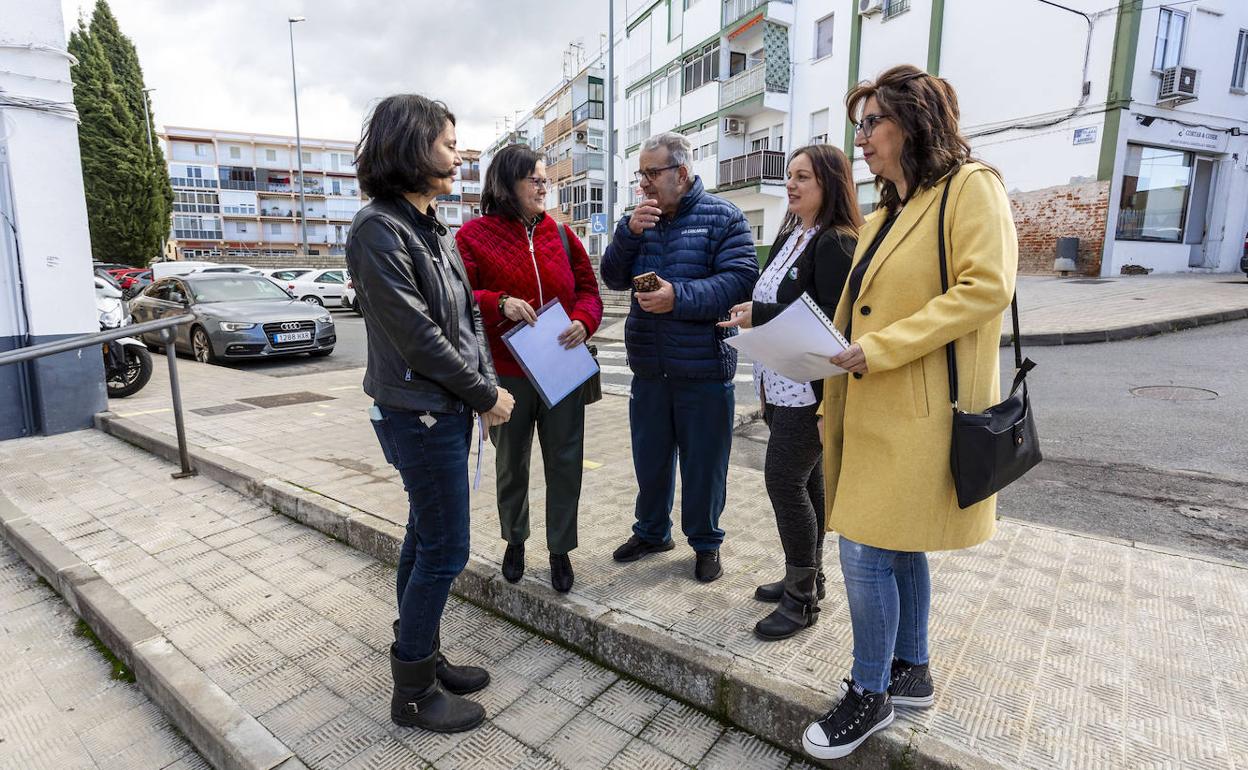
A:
{"points": [[400, 261]]}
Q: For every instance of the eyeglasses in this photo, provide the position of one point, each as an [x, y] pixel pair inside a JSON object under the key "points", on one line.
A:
{"points": [[538, 181], [652, 173], [867, 125]]}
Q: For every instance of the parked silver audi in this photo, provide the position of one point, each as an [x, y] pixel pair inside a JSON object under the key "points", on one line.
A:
{"points": [[237, 316]]}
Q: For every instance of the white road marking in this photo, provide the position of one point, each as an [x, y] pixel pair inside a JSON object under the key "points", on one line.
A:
{"points": [[145, 411]]}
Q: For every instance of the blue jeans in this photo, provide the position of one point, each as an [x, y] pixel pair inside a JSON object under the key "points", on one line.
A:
{"points": [[433, 462], [890, 598], [689, 420]]}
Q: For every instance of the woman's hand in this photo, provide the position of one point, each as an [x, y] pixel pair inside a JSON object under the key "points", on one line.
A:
{"points": [[740, 315], [573, 335], [852, 360], [501, 411], [516, 309]]}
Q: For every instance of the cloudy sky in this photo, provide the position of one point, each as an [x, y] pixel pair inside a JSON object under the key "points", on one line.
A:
{"points": [[226, 63]]}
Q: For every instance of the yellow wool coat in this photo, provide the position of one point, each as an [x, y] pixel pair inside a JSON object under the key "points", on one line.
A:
{"points": [[887, 434]]}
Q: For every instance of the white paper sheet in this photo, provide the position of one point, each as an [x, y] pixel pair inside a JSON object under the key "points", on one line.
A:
{"points": [[554, 370], [797, 343]]}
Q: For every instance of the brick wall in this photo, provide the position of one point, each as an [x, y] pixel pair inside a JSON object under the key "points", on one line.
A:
{"points": [[1042, 216]]}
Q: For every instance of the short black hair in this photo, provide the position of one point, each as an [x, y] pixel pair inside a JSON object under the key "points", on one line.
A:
{"points": [[512, 163], [394, 153]]}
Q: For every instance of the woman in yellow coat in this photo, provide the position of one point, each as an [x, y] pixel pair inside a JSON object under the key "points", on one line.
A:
{"points": [[887, 425]]}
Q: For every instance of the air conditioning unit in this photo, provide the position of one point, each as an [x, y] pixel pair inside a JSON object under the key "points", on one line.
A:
{"points": [[733, 126], [1178, 84], [580, 137], [870, 7]]}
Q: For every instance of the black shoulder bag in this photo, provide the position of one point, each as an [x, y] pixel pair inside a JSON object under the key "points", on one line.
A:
{"points": [[591, 391], [991, 449]]}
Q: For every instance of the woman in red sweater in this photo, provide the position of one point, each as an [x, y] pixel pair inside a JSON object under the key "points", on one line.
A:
{"points": [[516, 263]]}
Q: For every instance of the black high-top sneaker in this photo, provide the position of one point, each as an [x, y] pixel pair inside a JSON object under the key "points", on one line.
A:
{"points": [[850, 722], [911, 685]]}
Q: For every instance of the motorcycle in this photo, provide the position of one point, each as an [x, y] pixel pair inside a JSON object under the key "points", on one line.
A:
{"points": [[127, 364]]}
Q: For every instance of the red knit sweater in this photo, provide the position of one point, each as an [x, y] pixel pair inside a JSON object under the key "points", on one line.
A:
{"points": [[495, 251]]}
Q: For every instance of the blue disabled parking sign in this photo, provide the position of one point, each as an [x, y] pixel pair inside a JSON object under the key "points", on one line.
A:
{"points": [[598, 223]]}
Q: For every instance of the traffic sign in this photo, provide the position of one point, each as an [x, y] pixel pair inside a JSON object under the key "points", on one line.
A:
{"points": [[598, 223]]}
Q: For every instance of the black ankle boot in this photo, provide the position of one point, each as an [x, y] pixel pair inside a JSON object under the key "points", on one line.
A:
{"points": [[513, 562], [798, 608], [771, 592], [420, 701], [460, 680], [561, 576]]}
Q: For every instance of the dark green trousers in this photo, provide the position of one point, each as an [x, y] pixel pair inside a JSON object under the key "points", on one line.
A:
{"points": [[561, 433]]}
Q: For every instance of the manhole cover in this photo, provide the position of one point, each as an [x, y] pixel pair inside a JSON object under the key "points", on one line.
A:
{"points": [[213, 411], [1174, 393], [286, 399], [1091, 280]]}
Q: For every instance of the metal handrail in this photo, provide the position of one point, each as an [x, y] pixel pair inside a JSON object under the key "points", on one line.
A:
{"points": [[163, 325]]}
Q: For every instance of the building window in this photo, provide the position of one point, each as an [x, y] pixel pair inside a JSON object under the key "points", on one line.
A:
{"points": [[1241, 61], [307, 157], [868, 197], [270, 155], [242, 227], [1168, 50], [819, 127], [755, 220], [690, 3], [701, 67], [1155, 187], [236, 153], [675, 19], [895, 8], [759, 140], [823, 37], [275, 228], [201, 151]]}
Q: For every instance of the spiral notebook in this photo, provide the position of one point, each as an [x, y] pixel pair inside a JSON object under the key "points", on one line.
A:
{"points": [[797, 343]]}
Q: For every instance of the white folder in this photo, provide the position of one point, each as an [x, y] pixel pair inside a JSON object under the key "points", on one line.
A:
{"points": [[553, 369], [797, 343]]}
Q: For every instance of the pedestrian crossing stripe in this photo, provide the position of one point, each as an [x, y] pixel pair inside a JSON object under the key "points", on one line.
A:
{"points": [[590, 465]]}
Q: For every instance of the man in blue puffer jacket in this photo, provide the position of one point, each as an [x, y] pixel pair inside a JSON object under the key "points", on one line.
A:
{"points": [[702, 251]]}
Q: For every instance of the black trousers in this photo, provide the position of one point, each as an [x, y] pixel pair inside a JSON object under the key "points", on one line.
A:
{"points": [[561, 432], [793, 470]]}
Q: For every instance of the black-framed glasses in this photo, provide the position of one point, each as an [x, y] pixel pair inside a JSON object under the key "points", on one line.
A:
{"points": [[652, 173], [867, 125], [538, 181]]}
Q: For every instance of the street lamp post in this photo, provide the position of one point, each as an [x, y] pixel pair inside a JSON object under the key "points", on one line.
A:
{"points": [[148, 121], [303, 213]]}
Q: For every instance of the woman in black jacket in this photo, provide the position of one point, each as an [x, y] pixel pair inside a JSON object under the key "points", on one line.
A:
{"points": [[429, 371], [812, 254]]}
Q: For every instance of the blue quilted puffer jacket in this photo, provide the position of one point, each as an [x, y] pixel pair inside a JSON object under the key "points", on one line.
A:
{"points": [[707, 253]]}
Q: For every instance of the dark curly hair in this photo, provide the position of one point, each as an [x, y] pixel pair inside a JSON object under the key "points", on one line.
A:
{"points": [[394, 153], [925, 108]]}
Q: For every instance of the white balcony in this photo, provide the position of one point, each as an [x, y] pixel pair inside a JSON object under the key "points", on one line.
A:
{"points": [[736, 9], [747, 83], [752, 168]]}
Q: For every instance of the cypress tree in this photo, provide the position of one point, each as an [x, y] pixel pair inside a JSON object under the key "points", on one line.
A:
{"points": [[127, 189]]}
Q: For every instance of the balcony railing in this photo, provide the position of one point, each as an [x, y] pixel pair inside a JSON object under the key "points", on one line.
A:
{"points": [[278, 188], [587, 111], [586, 161], [757, 166], [231, 184], [196, 208], [197, 235], [556, 129], [746, 84], [735, 9], [466, 175], [637, 70], [193, 181]]}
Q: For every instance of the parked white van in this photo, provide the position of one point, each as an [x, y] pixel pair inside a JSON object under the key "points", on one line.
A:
{"points": [[176, 267]]}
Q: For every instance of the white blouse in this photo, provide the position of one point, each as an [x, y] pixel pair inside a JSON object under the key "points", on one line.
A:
{"points": [[780, 390]]}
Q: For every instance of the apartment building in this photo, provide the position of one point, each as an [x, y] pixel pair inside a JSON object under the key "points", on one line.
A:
{"points": [[574, 143], [236, 197], [463, 204], [1119, 123]]}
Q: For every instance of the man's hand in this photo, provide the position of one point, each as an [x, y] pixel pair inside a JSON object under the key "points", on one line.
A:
{"points": [[501, 411], [662, 300], [573, 335], [645, 216], [852, 360], [518, 310], [740, 315]]}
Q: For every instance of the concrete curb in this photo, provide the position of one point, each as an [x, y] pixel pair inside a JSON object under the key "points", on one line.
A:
{"points": [[221, 730], [698, 674], [1118, 334]]}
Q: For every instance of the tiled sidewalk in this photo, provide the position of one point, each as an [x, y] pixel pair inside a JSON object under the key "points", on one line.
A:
{"points": [[295, 627], [59, 707], [1051, 650]]}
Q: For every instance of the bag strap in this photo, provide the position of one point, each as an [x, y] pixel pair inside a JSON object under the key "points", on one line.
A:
{"points": [[1021, 366], [567, 250]]}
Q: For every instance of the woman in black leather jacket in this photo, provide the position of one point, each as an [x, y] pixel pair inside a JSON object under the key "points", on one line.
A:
{"points": [[429, 371]]}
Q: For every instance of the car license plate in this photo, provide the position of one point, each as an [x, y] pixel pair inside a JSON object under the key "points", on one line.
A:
{"points": [[293, 337]]}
